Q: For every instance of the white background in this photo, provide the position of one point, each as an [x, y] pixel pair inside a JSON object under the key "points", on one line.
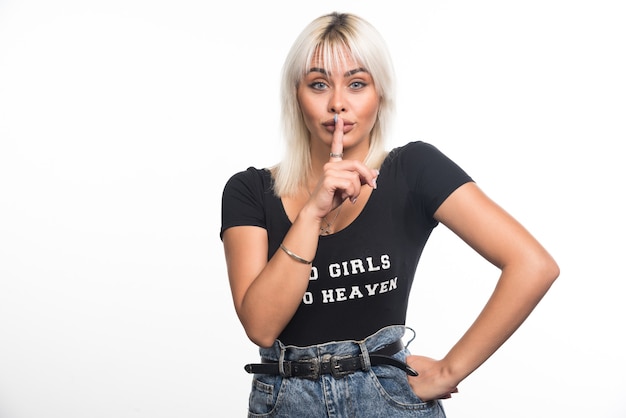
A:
{"points": [[120, 122]]}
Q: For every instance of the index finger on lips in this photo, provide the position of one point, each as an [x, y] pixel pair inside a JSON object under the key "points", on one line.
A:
{"points": [[336, 146]]}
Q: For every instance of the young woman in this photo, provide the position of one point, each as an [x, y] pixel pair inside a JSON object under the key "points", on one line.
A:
{"points": [[322, 249]]}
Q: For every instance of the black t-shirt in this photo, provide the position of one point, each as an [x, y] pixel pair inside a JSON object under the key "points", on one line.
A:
{"points": [[361, 276]]}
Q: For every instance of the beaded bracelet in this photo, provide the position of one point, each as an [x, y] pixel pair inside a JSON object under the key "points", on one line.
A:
{"points": [[294, 256]]}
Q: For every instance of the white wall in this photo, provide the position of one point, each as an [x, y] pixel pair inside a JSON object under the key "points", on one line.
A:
{"points": [[120, 122]]}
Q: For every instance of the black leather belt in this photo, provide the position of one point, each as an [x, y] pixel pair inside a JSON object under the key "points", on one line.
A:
{"points": [[336, 365]]}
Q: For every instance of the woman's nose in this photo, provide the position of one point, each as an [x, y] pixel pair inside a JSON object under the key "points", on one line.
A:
{"points": [[336, 103]]}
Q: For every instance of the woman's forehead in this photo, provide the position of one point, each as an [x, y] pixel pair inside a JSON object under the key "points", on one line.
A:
{"points": [[332, 58]]}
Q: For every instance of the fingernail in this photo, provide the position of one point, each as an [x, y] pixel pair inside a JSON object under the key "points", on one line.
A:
{"points": [[374, 181], [353, 201], [336, 117]]}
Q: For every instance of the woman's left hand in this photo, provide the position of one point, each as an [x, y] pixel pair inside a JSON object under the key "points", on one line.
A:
{"points": [[432, 382]]}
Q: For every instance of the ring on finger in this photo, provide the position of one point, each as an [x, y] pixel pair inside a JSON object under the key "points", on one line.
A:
{"points": [[333, 155]]}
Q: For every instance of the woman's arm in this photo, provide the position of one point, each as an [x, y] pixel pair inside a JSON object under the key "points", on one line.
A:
{"points": [[527, 272], [267, 294]]}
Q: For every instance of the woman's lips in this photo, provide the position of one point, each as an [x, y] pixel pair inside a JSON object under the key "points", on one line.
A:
{"points": [[347, 127]]}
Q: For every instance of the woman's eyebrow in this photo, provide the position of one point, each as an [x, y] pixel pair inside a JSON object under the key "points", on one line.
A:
{"points": [[317, 70], [356, 70]]}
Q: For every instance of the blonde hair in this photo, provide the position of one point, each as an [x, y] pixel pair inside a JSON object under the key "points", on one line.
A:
{"points": [[328, 37]]}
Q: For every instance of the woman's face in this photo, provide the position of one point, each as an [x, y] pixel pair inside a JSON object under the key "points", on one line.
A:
{"points": [[349, 92]]}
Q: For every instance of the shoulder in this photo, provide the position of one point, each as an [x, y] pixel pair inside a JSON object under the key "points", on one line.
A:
{"points": [[415, 155], [413, 149], [424, 166], [252, 174], [251, 178]]}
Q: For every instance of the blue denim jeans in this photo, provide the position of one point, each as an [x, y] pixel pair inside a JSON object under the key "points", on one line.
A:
{"points": [[381, 391]]}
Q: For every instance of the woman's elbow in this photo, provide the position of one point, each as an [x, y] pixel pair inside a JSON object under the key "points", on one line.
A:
{"points": [[551, 268], [548, 270], [556, 271], [260, 335], [261, 339]]}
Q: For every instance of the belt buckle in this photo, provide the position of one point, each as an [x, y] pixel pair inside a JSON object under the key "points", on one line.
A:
{"points": [[336, 369]]}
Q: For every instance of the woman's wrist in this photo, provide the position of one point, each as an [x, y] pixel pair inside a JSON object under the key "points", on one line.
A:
{"points": [[309, 216], [450, 374], [300, 243]]}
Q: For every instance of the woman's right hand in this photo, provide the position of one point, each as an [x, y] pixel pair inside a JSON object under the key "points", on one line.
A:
{"points": [[341, 179]]}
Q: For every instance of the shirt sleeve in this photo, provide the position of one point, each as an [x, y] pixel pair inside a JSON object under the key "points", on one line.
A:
{"points": [[431, 176], [242, 200]]}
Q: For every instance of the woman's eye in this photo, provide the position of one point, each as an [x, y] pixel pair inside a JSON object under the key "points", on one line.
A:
{"points": [[357, 85], [317, 85]]}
